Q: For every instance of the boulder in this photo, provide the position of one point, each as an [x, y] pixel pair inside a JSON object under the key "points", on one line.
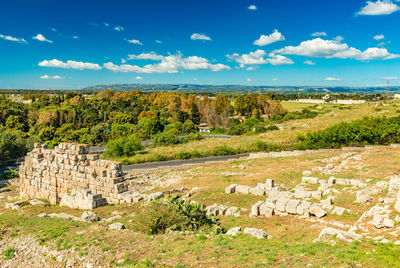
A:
{"points": [[258, 233], [363, 196], [269, 184], [234, 231], [343, 235]]}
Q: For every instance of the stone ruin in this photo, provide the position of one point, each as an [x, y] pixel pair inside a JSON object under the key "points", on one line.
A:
{"points": [[69, 175]]}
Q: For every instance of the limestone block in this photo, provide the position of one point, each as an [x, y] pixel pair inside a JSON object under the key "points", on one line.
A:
{"points": [[281, 204], [291, 206], [234, 231], [311, 180], [243, 189], [258, 233], [256, 191], [266, 210], [255, 209], [269, 184], [317, 211], [230, 189]]}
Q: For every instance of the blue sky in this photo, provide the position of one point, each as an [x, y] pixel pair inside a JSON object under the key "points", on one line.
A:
{"points": [[73, 44]]}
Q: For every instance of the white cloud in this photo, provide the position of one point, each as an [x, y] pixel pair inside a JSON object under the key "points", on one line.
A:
{"points": [[53, 29], [249, 80], [75, 37], [319, 34], [166, 64], [197, 36], [123, 60], [339, 38], [135, 41], [158, 41], [275, 79], [119, 28], [379, 37], [269, 39], [69, 64], [51, 77], [138, 78], [257, 58], [333, 79], [13, 39], [251, 68], [335, 49], [41, 38], [106, 24], [390, 78], [380, 7], [279, 60], [308, 62], [252, 7]]}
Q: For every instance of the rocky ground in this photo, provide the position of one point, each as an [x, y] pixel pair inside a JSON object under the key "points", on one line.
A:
{"points": [[334, 199]]}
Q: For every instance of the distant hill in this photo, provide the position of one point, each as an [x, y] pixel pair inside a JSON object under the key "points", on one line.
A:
{"points": [[235, 88]]}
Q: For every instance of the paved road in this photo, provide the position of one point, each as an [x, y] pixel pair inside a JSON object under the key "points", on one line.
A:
{"points": [[173, 163]]}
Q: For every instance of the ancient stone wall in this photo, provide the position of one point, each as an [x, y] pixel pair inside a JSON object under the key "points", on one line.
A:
{"points": [[51, 174]]}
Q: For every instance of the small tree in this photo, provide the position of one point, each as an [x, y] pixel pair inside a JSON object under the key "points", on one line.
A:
{"points": [[189, 127]]}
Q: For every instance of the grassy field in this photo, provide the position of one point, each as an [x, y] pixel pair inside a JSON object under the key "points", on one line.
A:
{"points": [[330, 114]]}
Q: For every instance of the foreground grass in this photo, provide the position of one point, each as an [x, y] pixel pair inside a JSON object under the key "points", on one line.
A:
{"points": [[286, 137], [193, 250]]}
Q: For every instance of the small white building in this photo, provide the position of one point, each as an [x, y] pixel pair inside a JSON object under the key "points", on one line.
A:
{"points": [[204, 128]]}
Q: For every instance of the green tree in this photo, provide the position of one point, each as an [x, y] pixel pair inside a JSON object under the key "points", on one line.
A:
{"points": [[195, 116]]}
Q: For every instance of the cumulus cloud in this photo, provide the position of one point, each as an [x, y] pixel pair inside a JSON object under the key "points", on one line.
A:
{"points": [[119, 28], [380, 7], [251, 68], [379, 37], [258, 57], [319, 34], [69, 64], [41, 38], [139, 78], [13, 39], [335, 49], [252, 7], [158, 41], [308, 62], [123, 60], [269, 39], [198, 36], [135, 41], [51, 77], [333, 79], [249, 80], [166, 64]]}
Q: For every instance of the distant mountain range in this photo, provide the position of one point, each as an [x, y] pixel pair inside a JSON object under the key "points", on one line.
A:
{"points": [[194, 88]]}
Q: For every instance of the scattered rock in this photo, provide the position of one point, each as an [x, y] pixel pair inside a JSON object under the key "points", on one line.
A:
{"points": [[89, 216], [258, 233], [230, 189], [234, 231], [116, 226]]}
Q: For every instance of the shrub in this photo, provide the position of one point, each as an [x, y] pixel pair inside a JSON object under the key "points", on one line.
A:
{"points": [[192, 137], [357, 133], [271, 128], [173, 214], [237, 130], [9, 174], [224, 150], [165, 139], [189, 127], [218, 131], [259, 129], [124, 146]]}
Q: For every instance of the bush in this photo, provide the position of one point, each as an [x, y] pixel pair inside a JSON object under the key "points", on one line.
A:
{"points": [[224, 150], [218, 131], [305, 113], [9, 174], [260, 129], [173, 214], [165, 139], [237, 130], [124, 146], [192, 137], [13, 146], [271, 128], [189, 127], [357, 133]]}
